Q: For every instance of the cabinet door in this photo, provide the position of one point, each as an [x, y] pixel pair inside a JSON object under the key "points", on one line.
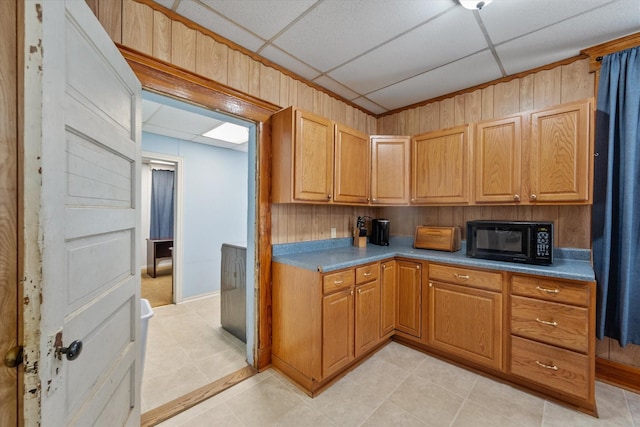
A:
{"points": [[560, 154], [313, 158], [352, 166], [390, 170], [466, 322], [408, 298], [440, 167], [498, 154], [388, 298], [367, 316], [337, 331]]}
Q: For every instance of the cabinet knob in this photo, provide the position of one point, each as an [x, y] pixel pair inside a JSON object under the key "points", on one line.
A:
{"points": [[431, 284], [384, 265], [329, 196], [374, 200], [359, 291], [533, 197], [516, 197], [417, 267]]}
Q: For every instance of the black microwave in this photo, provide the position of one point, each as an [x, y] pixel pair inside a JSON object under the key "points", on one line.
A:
{"points": [[513, 241]]}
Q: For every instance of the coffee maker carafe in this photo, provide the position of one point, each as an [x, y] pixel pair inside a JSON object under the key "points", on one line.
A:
{"points": [[379, 232]]}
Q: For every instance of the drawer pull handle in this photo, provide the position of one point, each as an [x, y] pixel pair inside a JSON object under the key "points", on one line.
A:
{"points": [[462, 276], [338, 282], [548, 290], [542, 365], [546, 322], [367, 274]]}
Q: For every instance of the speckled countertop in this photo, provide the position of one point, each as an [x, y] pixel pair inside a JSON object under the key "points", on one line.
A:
{"points": [[336, 254]]}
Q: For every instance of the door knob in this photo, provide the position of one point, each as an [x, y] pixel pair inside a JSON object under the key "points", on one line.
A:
{"points": [[14, 357], [72, 352]]}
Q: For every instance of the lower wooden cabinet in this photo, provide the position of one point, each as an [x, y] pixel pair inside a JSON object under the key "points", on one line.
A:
{"points": [[532, 331], [553, 336], [388, 290], [409, 298], [337, 331], [464, 319]]}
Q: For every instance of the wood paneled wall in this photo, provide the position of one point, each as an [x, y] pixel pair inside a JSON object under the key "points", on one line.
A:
{"points": [[564, 83]]}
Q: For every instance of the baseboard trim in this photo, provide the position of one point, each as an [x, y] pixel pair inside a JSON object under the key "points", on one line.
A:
{"points": [[618, 374], [181, 404]]}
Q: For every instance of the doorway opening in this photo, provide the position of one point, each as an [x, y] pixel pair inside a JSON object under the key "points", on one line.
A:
{"points": [[214, 210]]}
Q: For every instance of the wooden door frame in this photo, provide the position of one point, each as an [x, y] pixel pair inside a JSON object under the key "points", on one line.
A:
{"points": [[10, 210], [160, 77]]}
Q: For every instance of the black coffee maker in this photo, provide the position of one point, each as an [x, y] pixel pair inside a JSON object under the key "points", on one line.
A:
{"points": [[379, 232]]}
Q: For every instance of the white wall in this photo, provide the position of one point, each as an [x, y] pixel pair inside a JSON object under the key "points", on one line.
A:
{"points": [[214, 206]]}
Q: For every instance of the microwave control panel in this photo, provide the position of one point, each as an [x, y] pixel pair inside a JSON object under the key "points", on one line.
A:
{"points": [[543, 242]]}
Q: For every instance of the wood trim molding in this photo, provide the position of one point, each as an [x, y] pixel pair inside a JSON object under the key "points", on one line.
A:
{"points": [[190, 24], [618, 374], [595, 53], [168, 80], [159, 76]]}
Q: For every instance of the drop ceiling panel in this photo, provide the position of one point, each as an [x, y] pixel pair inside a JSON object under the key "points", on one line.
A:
{"points": [[567, 38], [507, 19], [369, 105], [204, 16], [285, 60], [461, 74], [337, 31], [264, 18], [336, 87], [424, 48]]}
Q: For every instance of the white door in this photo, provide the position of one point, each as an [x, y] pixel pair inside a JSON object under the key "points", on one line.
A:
{"points": [[82, 168]]}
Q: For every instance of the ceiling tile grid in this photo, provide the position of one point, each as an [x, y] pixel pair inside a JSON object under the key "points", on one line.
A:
{"points": [[387, 54]]}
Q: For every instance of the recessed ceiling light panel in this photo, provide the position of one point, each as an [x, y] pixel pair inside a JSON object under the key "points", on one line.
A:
{"points": [[229, 132]]}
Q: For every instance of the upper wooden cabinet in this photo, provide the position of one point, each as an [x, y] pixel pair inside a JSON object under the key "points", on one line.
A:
{"points": [[539, 157], [561, 154], [302, 157], [498, 147], [440, 167], [390, 170], [352, 166]]}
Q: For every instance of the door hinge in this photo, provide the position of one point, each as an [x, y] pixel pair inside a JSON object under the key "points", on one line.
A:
{"points": [[14, 356]]}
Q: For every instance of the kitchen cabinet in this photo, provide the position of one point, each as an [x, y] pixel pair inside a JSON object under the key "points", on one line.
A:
{"points": [[302, 157], [409, 298], [553, 335], [367, 308], [352, 166], [390, 165], [498, 151], [465, 314], [323, 323], [388, 285], [552, 164], [440, 167], [561, 154]]}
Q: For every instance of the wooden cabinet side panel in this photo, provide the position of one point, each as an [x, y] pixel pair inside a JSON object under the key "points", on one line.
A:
{"points": [[352, 166], [498, 158], [297, 318], [282, 156], [390, 165], [561, 147]]}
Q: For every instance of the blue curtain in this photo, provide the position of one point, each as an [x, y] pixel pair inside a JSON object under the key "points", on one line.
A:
{"points": [[616, 208], [161, 205]]}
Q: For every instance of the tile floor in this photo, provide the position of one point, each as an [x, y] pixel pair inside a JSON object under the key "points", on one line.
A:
{"points": [[186, 349], [399, 386]]}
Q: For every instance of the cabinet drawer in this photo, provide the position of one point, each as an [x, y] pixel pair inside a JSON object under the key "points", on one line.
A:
{"points": [[464, 276], [562, 370], [367, 273], [551, 290], [558, 324], [337, 281]]}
